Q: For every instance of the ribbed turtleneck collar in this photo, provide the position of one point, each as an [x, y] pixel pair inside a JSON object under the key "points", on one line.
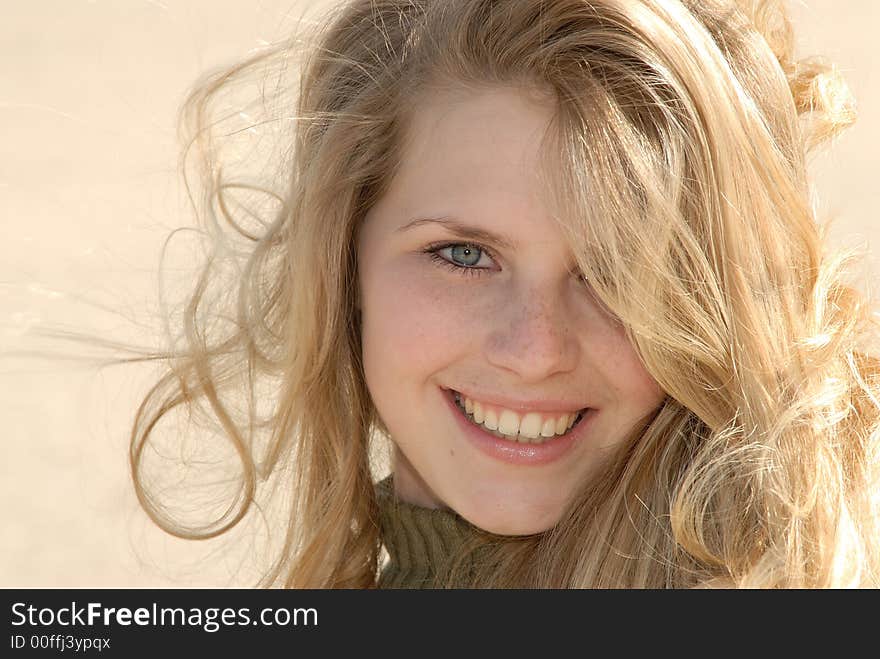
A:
{"points": [[419, 540]]}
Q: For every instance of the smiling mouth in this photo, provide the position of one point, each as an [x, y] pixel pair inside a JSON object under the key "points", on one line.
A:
{"points": [[516, 437]]}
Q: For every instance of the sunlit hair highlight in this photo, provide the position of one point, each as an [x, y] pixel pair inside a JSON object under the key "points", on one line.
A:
{"points": [[677, 157]]}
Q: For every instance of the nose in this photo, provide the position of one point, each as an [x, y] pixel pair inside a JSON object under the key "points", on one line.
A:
{"points": [[535, 338]]}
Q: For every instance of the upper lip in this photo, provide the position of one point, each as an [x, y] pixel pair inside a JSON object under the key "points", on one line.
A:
{"points": [[538, 404]]}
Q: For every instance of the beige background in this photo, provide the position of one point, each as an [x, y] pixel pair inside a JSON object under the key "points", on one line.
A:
{"points": [[88, 192]]}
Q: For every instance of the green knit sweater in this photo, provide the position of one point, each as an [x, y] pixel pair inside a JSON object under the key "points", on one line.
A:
{"points": [[419, 541]]}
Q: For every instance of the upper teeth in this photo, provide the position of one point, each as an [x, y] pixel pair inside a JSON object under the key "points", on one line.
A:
{"points": [[507, 422]]}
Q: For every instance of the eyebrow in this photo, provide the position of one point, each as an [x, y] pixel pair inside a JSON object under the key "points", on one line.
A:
{"points": [[463, 230]]}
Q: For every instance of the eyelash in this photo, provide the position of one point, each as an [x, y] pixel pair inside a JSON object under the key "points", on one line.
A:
{"points": [[432, 252], [468, 271]]}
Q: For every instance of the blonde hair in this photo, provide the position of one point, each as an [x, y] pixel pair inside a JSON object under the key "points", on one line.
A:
{"points": [[680, 136]]}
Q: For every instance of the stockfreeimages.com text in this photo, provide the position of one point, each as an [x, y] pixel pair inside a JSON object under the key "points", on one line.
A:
{"points": [[209, 619]]}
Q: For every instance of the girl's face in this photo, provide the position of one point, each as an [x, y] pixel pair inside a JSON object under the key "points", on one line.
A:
{"points": [[468, 289]]}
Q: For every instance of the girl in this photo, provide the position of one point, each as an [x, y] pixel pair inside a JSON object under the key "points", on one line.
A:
{"points": [[561, 254]]}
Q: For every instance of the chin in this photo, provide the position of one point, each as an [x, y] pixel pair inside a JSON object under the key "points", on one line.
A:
{"points": [[517, 524]]}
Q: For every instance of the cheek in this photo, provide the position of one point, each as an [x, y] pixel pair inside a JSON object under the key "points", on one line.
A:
{"points": [[412, 323], [631, 385]]}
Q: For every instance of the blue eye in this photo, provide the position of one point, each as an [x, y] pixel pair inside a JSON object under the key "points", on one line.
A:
{"points": [[462, 259], [469, 255]]}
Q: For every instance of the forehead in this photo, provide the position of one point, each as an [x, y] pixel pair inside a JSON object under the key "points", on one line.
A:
{"points": [[474, 146]]}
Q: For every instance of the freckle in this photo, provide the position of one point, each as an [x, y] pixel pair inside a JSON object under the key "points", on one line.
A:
{"points": [[452, 452]]}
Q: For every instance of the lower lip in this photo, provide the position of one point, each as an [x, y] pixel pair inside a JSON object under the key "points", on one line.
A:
{"points": [[514, 452]]}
